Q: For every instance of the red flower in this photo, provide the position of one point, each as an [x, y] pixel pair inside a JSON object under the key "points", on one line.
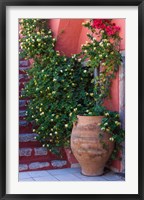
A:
{"points": [[106, 25], [97, 23]]}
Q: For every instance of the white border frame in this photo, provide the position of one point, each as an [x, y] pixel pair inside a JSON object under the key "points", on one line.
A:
{"points": [[130, 186]]}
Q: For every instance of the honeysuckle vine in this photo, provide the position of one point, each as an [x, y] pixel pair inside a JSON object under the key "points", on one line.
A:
{"points": [[60, 88], [102, 52]]}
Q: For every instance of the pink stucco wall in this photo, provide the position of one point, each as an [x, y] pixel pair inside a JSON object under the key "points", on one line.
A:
{"points": [[54, 24], [67, 33]]}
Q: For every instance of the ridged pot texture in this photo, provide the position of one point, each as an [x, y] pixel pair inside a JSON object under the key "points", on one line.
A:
{"points": [[91, 146]]}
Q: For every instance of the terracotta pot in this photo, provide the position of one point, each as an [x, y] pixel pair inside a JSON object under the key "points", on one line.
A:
{"points": [[91, 146]]}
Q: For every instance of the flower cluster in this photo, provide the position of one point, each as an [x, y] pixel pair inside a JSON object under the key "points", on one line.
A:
{"points": [[111, 124], [60, 88], [106, 25]]}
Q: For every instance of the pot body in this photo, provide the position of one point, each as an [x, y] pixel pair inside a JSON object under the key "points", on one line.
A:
{"points": [[91, 146]]}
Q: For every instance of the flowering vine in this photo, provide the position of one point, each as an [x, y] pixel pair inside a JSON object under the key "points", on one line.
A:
{"points": [[60, 88], [102, 54]]}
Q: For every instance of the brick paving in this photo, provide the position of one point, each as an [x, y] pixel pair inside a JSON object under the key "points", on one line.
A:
{"points": [[68, 174]]}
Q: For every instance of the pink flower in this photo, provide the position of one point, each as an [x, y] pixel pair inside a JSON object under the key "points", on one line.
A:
{"points": [[106, 25]]}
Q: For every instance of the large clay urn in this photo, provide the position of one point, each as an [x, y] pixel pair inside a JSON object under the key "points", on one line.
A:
{"points": [[91, 146]]}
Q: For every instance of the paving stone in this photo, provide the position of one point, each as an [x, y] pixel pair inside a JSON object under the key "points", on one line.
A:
{"points": [[23, 167], [63, 171], [24, 175], [38, 165], [68, 177], [58, 163], [36, 174], [40, 151], [27, 137], [25, 151], [47, 178], [111, 177], [72, 170], [67, 174], [58, 172], [89, 178]]}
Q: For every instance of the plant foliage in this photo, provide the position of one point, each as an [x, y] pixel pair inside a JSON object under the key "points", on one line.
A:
{"points": [[60, 88]]}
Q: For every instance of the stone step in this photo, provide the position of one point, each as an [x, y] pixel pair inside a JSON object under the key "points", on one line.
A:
{"points": [[39, 158], [38, 151], [32, 156], [24, 63], [29, 144], [22, 103], [23, 123], [23, 78], [25, 127], [54, 164], [34, 166], [37, 154], [27, 137], [21, 86], [27, 159], [22, 113], [23, 70], [28, 140], [23, 98]]}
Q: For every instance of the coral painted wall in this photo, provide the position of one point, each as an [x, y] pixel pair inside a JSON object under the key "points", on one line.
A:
{"points": [[67, 33]]}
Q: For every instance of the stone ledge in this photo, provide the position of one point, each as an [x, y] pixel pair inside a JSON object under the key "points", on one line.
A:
{"points": [[23, 76], [58, 163], [23, 167], [24, 63], [23, 123], [25, 151], [38, 165], [24, 68], [40, 151], [27, 137], [22, 113], [22, 103]]}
